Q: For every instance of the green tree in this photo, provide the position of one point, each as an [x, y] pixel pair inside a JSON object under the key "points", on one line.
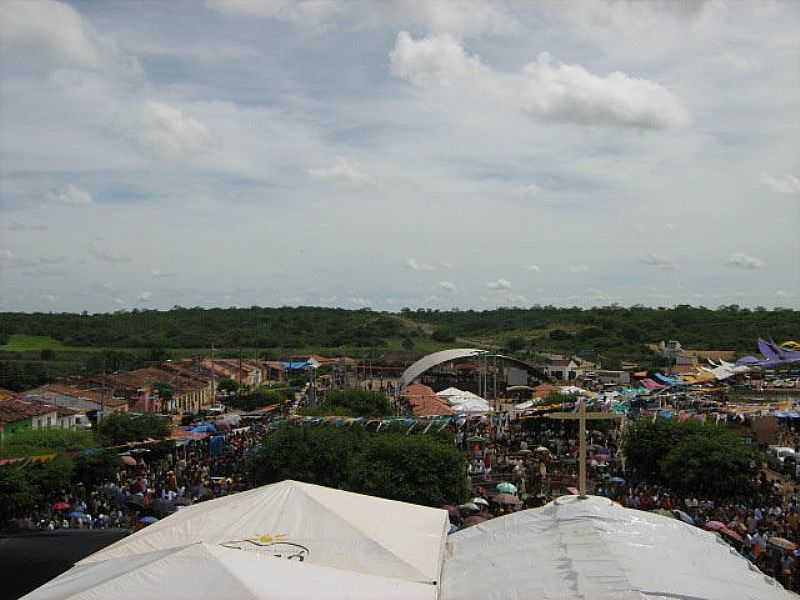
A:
{"points": [[515, 344], [356, 403], [408, 344], [443, 335], [121, 428], [717, 464], [95, 467], [18, 494], [227, 385]]}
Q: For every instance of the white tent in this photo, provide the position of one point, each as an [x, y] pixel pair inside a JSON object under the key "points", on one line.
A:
{"points": [[576, 548], [200, 571], [319, 525], [464, 402]]}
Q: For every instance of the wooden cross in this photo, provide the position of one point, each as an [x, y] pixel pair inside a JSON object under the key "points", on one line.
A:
{"points": [[582, 416]]}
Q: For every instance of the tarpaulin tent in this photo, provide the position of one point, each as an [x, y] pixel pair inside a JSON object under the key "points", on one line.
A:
{"points": [[577, 548], [464, 402], [325, 526], [206, 571]]}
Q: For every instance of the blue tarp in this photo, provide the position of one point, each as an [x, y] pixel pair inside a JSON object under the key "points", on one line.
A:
{"points": [[296, 365], [667, 380]]}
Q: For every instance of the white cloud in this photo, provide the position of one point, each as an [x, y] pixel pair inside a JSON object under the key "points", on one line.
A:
{"points": [[71, 195], [159, 274], [533, 268], [343, 170], [50, 298], [54, 35], [578, 268], [740, 260], [500, 284], [145, 296], [782, 184], [655, 260], [545, 89], [448, 286], [530, 190], [412, 264], [445, 264], [302, 13], [783, 294], [108, 255], [169, 131], [119, 301]]}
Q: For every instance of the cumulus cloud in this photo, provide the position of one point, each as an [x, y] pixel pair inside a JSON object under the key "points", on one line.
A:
{"points": [[445, 264], [499, 285], [169, 131], [544, 88], [654, 260], [533, 268], [414, 265], [343, 170], [448, 286], [108, 255], [54, 35], [578, 269], [782, 184], [145, 296], [50, 298], [740, 260], [71, 195]]}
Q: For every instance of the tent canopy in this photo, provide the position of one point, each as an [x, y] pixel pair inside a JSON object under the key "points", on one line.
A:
{"points": [[465, 402], [319, 525], [592, 548], [209, 571]]}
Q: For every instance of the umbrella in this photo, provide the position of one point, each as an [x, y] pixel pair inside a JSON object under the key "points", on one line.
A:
{"points": [[483, 501], [474, 520], [476, 438], [616, 481], [61, 506], [75, 514], [506, 488], [782, 543], [506, 499], [469, 507], [684, 517], [148, 520], [542, 449], [731, 534], [715, 525], [128, 460]]}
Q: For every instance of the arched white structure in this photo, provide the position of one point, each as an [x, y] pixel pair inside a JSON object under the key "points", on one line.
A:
{"points": [[437, 358]]}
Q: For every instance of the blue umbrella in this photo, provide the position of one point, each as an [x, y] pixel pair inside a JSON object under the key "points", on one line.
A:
{"points": [[684, 517], [617, 481], [76, 515], [506, 488], [148, 520]]}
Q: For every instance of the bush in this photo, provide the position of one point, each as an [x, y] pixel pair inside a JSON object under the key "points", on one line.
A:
{"points": [[443, 335], [353, 403], [560, 335], [424, 469], [257, 399], [96, 467], [121, 428]]}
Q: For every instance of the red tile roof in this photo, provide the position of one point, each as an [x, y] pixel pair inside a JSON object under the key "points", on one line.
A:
{"points": [[12, 411], [424, 402]]}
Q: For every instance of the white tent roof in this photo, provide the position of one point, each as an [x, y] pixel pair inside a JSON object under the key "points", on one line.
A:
{"points": [[464, 402], [200, 571], [322, 525], [436, 358], [576, 548]]}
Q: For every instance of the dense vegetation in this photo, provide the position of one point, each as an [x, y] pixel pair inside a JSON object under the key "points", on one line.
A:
{"points": [[258, 398], [86, 344], [704, 459], [352, 403], [424, 469]]}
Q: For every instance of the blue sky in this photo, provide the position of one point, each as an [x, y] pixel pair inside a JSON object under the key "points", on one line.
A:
{"points": [[469, 153]]}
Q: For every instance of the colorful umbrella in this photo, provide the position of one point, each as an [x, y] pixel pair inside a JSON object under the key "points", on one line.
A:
{"points": [[715, 525], [148, 520], [479, 501], [128, 460], [61, 506], [782, 543], [76, 515], [731, 534], [469, 507]]}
